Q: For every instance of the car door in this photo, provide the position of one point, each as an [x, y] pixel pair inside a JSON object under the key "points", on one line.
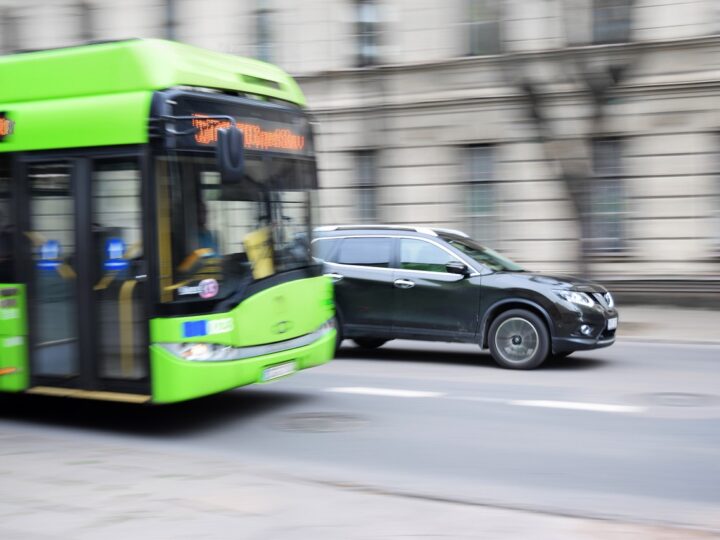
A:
{"points": [[360, 269], [429, 301]]}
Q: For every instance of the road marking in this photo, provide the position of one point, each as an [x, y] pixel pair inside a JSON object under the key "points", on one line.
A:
{"points": [[391, 392], [577, 405], [549, 404], [481, 399]]}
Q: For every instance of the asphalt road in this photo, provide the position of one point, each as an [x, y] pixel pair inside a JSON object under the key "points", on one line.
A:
{"points": [[631, 432]]}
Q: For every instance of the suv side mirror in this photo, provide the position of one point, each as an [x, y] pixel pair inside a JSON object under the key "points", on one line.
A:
{"points": [[456, 267]]}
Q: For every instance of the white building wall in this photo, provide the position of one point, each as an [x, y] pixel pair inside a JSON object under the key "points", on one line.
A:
{"points": [[428, 101]]}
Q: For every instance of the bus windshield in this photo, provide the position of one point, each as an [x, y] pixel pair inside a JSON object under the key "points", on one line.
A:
{"points": [[216, 238]]}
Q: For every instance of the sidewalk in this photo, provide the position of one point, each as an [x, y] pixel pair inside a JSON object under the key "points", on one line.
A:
{"points": [[665, 323], [59, 487]]}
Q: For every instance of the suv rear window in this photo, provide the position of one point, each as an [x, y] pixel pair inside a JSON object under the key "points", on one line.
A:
{"points": [[366, 252]]}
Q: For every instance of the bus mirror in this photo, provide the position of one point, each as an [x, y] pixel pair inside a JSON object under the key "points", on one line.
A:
{"points": [[230, 160]]}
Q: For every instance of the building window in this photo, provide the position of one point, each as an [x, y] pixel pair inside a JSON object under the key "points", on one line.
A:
{"points": [[366, 186], [263, 32], [170, 20], [85, 22], [606, 222], [482, 218], [366, 32], [484, 27], [715, 223], [611, 21], [9, 33]]}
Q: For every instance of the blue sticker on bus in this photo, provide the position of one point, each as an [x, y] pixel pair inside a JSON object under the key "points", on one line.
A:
{"points": [[194, 329], [49, 255], [115, 252]]}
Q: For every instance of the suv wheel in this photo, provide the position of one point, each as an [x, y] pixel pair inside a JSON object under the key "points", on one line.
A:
{"points": [[519, 339], [369, 343]]}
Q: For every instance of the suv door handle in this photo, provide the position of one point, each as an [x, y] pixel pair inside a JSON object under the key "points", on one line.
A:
{"points": [[404, 283], [335, 277]]}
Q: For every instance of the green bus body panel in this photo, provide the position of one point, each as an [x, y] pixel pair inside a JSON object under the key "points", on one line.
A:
{"points": [[279, 313], [178, 380], [103, 91], [13, 340], [104, 120]]}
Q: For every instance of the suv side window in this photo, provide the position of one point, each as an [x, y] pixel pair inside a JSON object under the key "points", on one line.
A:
{"points": [[421, 255], [322, 248], [373, 252]]}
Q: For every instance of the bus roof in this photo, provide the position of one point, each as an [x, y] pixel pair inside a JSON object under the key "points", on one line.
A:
{"points": [[100, 94]]}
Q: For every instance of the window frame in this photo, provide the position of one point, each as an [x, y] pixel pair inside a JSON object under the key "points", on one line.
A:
{"points": [[607, 33], [366, 33], [262, 32], [391, 259], [601, 244], [366, 185], [473, 26], [488, 224], [10, 30], [454, 256]]}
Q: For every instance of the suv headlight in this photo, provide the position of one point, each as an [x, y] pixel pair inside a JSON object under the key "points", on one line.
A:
{"points": [[576, 297], [609, 300]]}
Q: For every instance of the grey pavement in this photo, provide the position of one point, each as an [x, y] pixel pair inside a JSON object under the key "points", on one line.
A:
{"points": [[411, 440], [55, 488], [667, 323]]}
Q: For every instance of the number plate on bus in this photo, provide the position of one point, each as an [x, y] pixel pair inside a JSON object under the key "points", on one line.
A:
{"points": [[279, 370], [612, 323]]}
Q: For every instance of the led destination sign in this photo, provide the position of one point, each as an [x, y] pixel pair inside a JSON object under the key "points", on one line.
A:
{"points": [[266, 128], [255, 136], [6, 126]]}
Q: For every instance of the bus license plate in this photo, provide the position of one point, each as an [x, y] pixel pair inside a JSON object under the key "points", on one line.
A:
{"points": [[612, 323], [280, 370]]}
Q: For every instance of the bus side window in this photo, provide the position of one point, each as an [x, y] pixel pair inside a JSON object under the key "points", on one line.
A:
{"points": [[7, 227]]}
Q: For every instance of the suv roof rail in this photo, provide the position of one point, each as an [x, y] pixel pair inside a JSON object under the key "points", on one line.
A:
{"points": [[451, 231], [424, 230]]}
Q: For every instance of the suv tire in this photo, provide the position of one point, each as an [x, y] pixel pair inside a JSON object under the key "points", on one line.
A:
{"points": [[519, 339], [369, 343]]}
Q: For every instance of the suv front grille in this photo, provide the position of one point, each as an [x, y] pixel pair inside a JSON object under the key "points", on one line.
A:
{"points": [[604, 299]]}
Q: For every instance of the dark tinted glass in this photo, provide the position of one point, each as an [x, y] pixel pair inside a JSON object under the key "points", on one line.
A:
{"points": [[366, 252], [7, 226], [421, 255], [322, 248], [52, 229]]}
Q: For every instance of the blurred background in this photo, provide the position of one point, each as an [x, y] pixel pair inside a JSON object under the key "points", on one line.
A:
{"points": [[574, 135]]}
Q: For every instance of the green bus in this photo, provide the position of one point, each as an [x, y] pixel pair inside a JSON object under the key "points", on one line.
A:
{"points": [[155, 220]]}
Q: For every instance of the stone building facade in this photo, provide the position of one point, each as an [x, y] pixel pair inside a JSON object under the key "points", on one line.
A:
{"points": [[480, 114]]}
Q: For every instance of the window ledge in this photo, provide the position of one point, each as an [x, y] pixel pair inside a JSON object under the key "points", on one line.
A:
{"points": [[611, 256]]}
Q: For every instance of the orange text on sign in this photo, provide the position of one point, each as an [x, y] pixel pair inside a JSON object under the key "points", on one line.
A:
{"points": [[255, 137], [6, 127]]}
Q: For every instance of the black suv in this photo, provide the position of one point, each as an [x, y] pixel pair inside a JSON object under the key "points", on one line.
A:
{"points": [[440, 285]]}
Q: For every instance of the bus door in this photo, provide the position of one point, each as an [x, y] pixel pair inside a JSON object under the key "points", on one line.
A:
{"points": [[84, 263]]}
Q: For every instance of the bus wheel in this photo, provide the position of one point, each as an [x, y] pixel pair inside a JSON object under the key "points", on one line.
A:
{"points": [[369, 343]]}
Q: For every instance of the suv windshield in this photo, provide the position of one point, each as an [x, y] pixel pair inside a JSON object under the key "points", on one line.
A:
{"points": [[486, 256]]}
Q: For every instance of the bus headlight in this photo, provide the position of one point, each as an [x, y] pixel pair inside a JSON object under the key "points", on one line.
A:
{"points": [[214, 352], [200, 352]]}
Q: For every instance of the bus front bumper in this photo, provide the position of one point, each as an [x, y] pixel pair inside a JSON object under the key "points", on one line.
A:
{"points": [[175, 379]]}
